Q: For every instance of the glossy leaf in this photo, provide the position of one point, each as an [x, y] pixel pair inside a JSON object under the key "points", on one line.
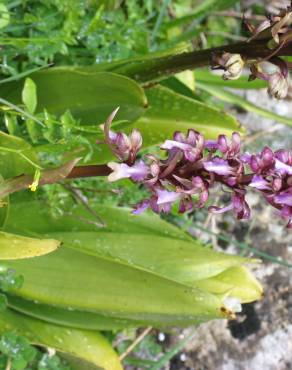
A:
{"points": [[184, 262], [207, 77], [117, 274], [82, 349], [116, 219], [238, 281], [232, 98], [14, 246], [68, 278], [90, 97], [68, 317], [15, 156], [169, 112]]}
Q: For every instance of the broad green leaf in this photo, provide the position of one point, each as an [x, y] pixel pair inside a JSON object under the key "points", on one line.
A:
{"points": [[232, 98], [68, 317], [169, 112], [90, 97], [17, 247], [90, 349], [177, 86], [237, 280], [16, 156], [68, 278], [117, 219], [181, 261], [29, 95], [120, 275], [128, 67], [207, 77]]}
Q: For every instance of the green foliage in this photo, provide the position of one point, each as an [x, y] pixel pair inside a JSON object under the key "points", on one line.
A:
{"points": [[142, 263], [82, 349], [66, 31], [237, 100], [113, 270], [17, 351], [9, 280]]}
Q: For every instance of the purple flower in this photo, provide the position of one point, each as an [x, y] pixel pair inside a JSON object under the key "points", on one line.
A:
{"points": [[193, 166], [165, 196], [283, 168], [191, 145], [284, 198], [138, 172], [141, 207], [259, 183], [219, 166], [194, 186], [263, 162], [238, 205], [124, 147], [229, 148]]}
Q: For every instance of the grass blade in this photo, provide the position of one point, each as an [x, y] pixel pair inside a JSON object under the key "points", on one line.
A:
{"points": [[232, 98]]}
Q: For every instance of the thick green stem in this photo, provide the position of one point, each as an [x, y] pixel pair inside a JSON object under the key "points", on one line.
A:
{"points": [[146, 70]]}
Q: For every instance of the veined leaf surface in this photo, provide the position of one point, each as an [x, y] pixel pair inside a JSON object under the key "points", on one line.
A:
{"points": [[91, 97], [169, 112], [82, 349], [14, 246], [134, 276], [15, 156]]}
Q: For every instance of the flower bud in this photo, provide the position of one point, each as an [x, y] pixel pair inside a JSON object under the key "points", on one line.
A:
{"points": [[231, 63], [278, 86]]}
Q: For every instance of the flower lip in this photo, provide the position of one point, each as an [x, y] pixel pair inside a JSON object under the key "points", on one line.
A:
{"points": [[219, 166], [137, 172], [165, 196], [284, 198], [259, 183]]}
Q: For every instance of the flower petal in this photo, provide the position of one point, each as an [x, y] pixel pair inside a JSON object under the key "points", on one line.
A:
{"points": [[219, 166]]}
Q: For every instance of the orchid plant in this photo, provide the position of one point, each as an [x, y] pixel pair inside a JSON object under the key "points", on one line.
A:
{"points": [[95, 266], [194, 165]]}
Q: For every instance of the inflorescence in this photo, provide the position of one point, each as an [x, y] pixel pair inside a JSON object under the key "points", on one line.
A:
{"points": [[272, 69], [194, 165]]}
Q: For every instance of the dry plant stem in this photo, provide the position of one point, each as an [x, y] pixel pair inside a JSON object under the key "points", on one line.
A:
{"points": [[8, 365], [135, 343], [80, 197]]}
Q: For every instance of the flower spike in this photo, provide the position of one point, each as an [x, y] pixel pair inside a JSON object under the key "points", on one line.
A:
{"points": [[193, 166]]}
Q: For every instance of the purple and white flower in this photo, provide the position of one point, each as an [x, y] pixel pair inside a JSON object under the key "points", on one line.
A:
{"points": [[193, 166]]}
